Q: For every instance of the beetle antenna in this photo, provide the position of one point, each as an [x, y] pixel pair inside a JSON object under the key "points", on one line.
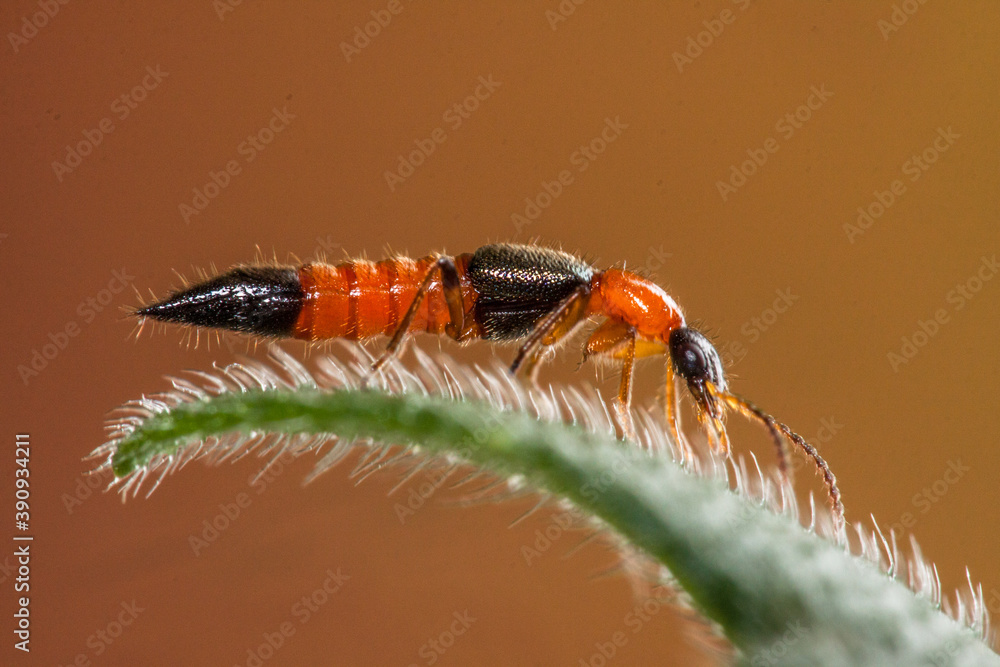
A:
{"points": [[778, 429], [752, 412]]}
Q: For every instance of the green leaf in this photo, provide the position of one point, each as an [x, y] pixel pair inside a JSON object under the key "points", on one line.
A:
{"points": [[782, 594]]}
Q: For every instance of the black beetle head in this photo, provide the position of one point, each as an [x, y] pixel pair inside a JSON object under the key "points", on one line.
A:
{"points": [[696, 360]]}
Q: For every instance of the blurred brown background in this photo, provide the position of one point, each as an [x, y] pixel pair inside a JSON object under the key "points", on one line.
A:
{"points": [[696, 90]]}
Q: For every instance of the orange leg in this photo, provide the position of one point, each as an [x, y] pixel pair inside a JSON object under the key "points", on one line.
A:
{"points": [[672, 406], [624, 402], [453, 297], [616, 340], [711, 418], [549, 331]]}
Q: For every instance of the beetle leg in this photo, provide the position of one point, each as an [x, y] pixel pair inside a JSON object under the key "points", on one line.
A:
{"points": [[560, 321], [672, 406], [617, 340], [451, 285], [624, 404]]}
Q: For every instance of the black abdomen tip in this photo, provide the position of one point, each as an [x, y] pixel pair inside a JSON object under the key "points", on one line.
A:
{"points": [[262, 300]]}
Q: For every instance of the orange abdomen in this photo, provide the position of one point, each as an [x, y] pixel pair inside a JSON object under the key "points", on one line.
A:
{"points": [[360, 299]]}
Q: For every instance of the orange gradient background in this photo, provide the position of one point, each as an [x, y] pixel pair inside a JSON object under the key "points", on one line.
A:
{"points": [[649, 200]]}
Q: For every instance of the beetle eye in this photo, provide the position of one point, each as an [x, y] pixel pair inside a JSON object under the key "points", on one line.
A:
{"points": [[695, 358]]}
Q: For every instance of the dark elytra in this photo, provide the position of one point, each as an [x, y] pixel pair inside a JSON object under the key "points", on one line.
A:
{"points": [[518, 284]]}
